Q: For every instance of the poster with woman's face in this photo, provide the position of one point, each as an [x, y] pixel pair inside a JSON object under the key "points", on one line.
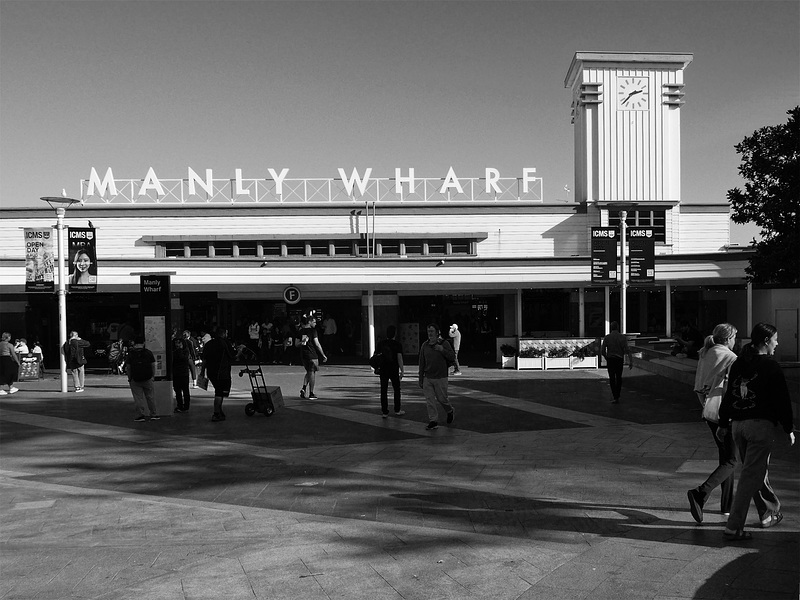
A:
{"points": [[82, 260]]}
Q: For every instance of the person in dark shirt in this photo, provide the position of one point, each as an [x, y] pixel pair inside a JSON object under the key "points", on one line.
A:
{"points": [[218, 355], [391, 370], [614, 349], [309, 356], [757, 407]]}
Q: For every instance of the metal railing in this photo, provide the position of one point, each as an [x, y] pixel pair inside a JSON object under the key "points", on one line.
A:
{"points": [[303, 191]]}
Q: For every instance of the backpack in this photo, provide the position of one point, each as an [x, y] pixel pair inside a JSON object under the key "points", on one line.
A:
{"points": [[115, 352], [140, 364]]}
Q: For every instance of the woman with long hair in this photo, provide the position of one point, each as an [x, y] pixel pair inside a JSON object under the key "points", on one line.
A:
{"points": [[710, 383], [757, 408], [82, 269]]}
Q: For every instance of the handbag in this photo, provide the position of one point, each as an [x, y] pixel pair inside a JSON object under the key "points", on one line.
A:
{"points": [[377, 361], [202, 381], [711, 407]]}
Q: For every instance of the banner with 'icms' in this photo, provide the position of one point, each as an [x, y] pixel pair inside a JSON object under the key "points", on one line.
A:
{"points": [[39, 260]]}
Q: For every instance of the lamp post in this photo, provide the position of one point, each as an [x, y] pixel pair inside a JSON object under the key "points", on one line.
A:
{"points": [[60, 204], [623, 208]]}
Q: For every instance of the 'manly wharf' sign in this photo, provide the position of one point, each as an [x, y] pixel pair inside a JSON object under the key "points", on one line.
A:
{"points": [[278, 187]]}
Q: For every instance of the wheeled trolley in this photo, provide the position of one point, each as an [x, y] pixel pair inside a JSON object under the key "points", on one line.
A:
{"points": [[262, 401]]}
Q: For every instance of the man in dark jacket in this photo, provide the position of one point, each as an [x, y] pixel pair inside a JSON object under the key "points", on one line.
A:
{"points": [[434, 358], [76, 359]]}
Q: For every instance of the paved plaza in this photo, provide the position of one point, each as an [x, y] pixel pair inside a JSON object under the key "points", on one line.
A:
{"points": [[540, 489]]}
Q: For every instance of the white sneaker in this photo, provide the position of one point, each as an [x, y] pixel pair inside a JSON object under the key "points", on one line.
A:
{"points": [[13, 390], [3, 393], [79, 390]]}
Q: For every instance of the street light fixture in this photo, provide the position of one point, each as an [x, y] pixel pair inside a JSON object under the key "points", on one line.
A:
{"points": [[60, 204]]}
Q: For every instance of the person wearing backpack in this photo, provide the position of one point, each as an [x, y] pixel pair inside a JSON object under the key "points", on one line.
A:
{"points": [[76, 360], [141, 368], [391, 369]]}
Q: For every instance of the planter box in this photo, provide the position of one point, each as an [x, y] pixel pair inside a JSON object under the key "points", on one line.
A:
{"points": [[588, 362], [556, 363], [508, 362], [530, 363]]}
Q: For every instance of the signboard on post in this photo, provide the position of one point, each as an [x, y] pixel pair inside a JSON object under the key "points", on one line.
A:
{"points": [[82, 259], [39, 260], [155, 309], [604, 255], [641, 241]]}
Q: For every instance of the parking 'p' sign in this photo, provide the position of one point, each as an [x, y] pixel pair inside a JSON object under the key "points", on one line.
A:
{"points": [[291, 295]]}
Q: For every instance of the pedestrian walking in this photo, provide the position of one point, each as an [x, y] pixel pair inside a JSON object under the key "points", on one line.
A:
{"points": [[614, 349], [757, 407], [434, 358], [218, 355], [391, 369], [140, 367], [455, 340], [710, 383], [74, 352], [181, 370], [9, 365], [193, 348], [310, 352], [330, 334]]}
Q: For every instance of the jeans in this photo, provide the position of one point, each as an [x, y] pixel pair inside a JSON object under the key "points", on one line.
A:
{"points": [[755, 439], [386, 377], [180, 385], [615, 365], [435, 390], [723, 475], [144, 396], [78, 377]]}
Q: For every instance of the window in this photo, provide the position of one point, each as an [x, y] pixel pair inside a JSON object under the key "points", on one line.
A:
{"points": [[392, 246], [343, 248], [174, 250], [460, 247], [413, 248], [389, 248], [247, 248], [271, 248], [295, 248], [198, 249], [437, 247], [319, 248], [223, 249], [657, 219]]}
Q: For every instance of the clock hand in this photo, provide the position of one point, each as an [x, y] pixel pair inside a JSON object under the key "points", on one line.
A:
{"points": [[633, 93]]}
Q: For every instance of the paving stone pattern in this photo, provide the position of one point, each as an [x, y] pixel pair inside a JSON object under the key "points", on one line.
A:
{"points": [[541, 488]]}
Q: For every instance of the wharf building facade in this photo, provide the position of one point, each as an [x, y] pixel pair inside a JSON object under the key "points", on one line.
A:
{"points": [[488, 253]]}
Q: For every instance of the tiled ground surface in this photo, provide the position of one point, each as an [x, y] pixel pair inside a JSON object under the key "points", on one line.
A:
{"points": [[541, 488]]}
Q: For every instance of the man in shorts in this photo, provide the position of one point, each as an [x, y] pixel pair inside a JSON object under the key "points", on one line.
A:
{"points": [[310, 351], [218, 355]]}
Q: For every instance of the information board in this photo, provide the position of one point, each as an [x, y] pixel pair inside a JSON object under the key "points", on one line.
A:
{"points": [[641, 242], [604, 255]]}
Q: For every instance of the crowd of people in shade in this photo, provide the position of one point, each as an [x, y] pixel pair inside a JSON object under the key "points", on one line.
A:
{"points": [[744, 397]]}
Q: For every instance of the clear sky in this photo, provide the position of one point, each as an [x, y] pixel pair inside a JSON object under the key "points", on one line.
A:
{"points": [[313, 86]]}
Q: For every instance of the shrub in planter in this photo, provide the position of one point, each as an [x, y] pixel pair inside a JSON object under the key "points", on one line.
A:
{"points": [[508, 350]]}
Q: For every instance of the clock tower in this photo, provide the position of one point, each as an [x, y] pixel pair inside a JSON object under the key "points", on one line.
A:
{"points": [[626, 115]]}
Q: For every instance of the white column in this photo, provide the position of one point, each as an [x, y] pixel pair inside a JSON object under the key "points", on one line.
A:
{"points": [[62, 298], [623, 293], [608, 309], [668, 320], [371, 321]]}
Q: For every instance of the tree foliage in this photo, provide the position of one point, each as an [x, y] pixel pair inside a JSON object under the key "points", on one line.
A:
{"points": [[771, 199]]}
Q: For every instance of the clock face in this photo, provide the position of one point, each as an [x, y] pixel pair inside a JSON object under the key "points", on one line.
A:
{"points": [[633, 93]]}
